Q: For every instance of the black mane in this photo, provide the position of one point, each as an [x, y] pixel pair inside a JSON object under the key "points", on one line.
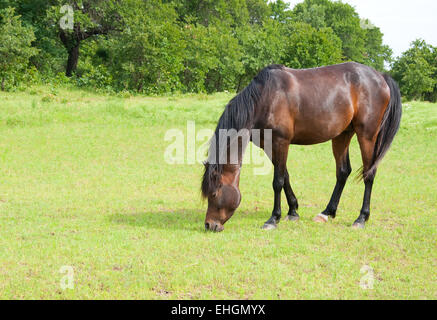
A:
{"points": [[238, 114]]}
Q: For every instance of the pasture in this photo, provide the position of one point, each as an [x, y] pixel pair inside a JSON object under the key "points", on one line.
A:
{"points": [[84, 184]]}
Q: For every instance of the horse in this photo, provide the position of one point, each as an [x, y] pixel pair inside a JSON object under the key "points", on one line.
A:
{"points": [[304, 107]]}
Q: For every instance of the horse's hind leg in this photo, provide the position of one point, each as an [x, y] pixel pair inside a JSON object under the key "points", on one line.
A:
{"points": [[340, 147], [367, 149], [293, 205]]}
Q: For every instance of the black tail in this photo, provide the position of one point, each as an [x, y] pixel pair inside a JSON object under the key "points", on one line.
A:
{"points": [[389, 126]]}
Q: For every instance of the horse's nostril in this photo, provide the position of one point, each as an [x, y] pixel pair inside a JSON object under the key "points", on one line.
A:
{"points": [[213, 226]]}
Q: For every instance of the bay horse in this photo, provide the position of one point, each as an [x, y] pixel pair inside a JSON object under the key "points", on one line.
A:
{"points": [[305, 107]]}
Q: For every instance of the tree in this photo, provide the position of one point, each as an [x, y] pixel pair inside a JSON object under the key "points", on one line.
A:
{"points": [[376, 53], [227, 65], [280, 11], [159, 46], [313, 13], [91, 18], [261, 46], [199, 57], [360, 42], [15, 46], [212, 12], [236, 38], [148, 55], [308, 47], [432, 95], [416, 71], [51, 56]]}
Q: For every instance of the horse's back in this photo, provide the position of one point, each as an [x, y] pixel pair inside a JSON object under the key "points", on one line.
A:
{"points": [[316, 105]]}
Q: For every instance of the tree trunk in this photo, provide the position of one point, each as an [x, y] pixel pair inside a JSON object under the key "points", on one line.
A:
{"points": [[3, 84], [73, 58]]}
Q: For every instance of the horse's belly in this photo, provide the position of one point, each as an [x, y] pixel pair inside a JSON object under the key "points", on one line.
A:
{"points": [[320, 130], [307, 140]]}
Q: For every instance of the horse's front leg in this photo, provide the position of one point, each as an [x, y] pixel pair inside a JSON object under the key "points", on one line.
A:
{"points": [[279, 158], [293, 204]]}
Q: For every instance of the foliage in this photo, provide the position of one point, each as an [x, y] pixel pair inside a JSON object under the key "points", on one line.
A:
{"points": [[88, 19], [309, 47], [15, 49], [148, 53], [416, 71], [376, 53], [360, 40], [261, 47], [163, 46]]}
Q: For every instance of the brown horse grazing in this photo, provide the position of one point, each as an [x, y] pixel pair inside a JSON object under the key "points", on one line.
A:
{"points": [[305, 107]]}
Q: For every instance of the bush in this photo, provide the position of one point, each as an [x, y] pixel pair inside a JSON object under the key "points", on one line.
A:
{"points": [[15, 50], [416, 72]]}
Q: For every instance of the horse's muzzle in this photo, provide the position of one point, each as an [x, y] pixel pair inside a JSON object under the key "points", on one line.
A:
{"points": [[214, 226]]}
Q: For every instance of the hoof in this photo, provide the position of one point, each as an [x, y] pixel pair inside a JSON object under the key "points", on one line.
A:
{"points": [[269, 227], [321, 218], [292, 218], [358, 225]]}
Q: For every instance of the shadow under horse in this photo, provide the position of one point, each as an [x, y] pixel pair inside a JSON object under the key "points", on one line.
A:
{"points": [[303, 107]]}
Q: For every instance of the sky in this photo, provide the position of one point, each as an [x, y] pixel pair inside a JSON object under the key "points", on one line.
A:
{"points": [[401, 21]]}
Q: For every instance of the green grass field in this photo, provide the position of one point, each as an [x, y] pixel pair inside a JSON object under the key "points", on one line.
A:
{"points": [[84, 184]]}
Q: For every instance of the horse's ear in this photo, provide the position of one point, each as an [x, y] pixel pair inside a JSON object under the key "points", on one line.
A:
{"points": [[215, 175], [216, 179], [211, 181]]}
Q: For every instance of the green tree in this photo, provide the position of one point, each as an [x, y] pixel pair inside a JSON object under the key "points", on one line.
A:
{"points": [[360, 42], [51, 56], [212, 12], [148, 55], [199, 56], [432, 96], [227, 65], [212, 59], [376, 54], [91, 18], [192, 45], [232, 44], [308, 47], [15, 46], [416, 71], [261, 46], [280, 11]]}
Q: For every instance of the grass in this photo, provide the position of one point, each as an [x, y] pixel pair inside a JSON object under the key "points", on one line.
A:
{"points": [[84, 184]]}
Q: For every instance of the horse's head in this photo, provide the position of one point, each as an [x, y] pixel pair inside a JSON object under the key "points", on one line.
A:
{"points": [[220, 186]]}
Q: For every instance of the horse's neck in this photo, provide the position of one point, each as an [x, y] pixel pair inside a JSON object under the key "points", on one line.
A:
{"points": [[232, 173]]}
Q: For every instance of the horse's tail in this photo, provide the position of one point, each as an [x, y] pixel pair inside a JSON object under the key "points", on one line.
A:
{"points": [[389, 126]]}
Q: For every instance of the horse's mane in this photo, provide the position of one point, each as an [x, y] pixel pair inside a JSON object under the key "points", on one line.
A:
{"points": [[238, 115]]}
